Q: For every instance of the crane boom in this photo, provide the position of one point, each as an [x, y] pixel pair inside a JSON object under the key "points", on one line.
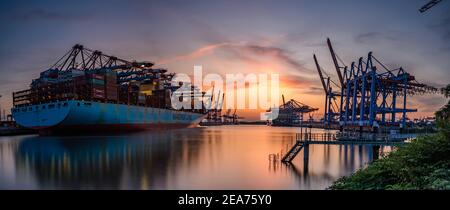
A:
{"points": [[336, 64], [427, 6], [218, 101], [221, 104], [322, 80]]}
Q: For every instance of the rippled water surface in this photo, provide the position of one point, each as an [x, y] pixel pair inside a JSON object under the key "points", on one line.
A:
{"points": [[222, 157]]}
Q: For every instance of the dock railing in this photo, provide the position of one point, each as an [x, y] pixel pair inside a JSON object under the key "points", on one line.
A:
{"points": [[315, 137], [304, 139], [353, 137]]}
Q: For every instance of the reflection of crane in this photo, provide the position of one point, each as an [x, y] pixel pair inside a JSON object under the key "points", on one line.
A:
{"points": [[430, 4]]}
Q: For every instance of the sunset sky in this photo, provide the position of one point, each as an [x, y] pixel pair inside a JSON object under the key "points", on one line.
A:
{"points": [[232, 36]]}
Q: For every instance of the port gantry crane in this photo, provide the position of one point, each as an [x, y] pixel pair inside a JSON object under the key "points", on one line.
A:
{"points": [[291, 112], [229, 118], [82, 58], [428, 6], [332, 108], [215, 114], [235, 117], [368, 95], [378, 93]]}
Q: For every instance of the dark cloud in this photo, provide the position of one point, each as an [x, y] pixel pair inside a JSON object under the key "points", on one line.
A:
{"points": [[374, 36], [42, 14], [314, 90], [277, 52], [255, 52], [443, 28], [297, 81], [317, 44], [8, 81]]}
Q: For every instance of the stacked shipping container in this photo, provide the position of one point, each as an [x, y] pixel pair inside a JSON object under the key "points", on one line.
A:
{"points": [[84, 74], [111, 87], [95, 85]]}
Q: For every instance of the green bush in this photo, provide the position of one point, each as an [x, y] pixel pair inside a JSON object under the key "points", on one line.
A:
{"points": [[421, 164]]}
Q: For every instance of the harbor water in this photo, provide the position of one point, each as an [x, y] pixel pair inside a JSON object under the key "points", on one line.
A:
{"points": [[217, 157]]}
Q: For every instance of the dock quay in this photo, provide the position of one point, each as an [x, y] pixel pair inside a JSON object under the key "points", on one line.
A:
{"points": [[304, 139], [353, 138], [10, 128]]}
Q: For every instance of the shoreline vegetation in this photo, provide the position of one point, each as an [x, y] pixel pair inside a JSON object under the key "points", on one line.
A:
{"points": [[422, 164]]}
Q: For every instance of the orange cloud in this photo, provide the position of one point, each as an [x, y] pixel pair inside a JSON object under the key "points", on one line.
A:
{"points": [[295, 79], [194, 54]]}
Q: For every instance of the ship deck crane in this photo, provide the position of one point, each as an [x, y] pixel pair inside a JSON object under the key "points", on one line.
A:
{"points": [[85, 59]]}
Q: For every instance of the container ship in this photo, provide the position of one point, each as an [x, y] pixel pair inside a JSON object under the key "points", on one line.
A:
{"points": [[88, 91]]}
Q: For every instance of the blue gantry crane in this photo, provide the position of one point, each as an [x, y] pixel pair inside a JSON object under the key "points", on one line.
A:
{"points": [[368, 97], [332, 107]]}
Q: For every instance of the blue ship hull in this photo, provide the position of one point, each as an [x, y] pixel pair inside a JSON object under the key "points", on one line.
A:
{"points": [[74, 115]]}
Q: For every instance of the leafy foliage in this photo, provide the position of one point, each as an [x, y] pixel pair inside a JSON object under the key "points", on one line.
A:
{"points": [[422, 164], [443, 114]]}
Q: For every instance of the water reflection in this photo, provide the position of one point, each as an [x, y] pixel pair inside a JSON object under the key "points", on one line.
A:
{"points": [[337, 161], [228, 157]]}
